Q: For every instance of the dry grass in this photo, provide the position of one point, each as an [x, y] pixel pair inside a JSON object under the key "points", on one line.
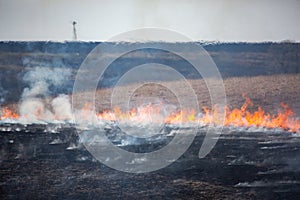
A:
{"points": [[267, 91]]}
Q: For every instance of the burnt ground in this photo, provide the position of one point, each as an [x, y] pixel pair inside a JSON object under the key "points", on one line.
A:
{"points": [[36, 163]]}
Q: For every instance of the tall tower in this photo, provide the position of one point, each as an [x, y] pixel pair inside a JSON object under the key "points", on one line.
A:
{"points": [[74, 30]]}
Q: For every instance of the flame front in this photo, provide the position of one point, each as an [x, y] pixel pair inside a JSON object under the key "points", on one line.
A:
{"points": [[150, 113], [238, 117], [8, 114], [284, 119]]}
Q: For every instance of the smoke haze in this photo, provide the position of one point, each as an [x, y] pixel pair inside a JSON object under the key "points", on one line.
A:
{"points": [[222, 20]]}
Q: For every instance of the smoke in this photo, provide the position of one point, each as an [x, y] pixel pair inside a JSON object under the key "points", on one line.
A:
{"points": [[3, 94], [36, 100], [33, 109], [62, 107], [224, 20], [44, 81]]}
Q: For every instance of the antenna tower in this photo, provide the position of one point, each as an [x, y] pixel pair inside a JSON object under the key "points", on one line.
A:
{"points": [[74, 30]]}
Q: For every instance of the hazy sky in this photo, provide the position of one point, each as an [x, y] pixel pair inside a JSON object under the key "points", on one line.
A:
{"points": [[98, 20]]}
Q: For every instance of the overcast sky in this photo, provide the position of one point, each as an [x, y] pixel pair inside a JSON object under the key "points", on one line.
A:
{"points": [[98, 20]]}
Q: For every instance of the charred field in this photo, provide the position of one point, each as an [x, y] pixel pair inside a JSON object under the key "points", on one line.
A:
{"points": [[42, 155], [45, 161]]}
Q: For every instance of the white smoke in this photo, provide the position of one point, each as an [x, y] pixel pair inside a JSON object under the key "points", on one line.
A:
{"points": [[38, 89], [40, 79], [62, 107], [36, 103], [34, 109], [3, 94]]}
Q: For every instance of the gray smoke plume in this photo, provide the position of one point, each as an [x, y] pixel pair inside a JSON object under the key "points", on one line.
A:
{"points": [[36, 103]]}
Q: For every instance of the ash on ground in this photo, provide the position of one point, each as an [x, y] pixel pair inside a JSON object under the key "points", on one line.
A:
{"points": [[40, 161]]}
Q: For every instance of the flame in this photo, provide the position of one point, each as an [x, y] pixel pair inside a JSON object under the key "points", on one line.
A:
{"points": [[156, 113], [8, 114], [284, 119], [147, 113], [238, 117], [182, 116]]}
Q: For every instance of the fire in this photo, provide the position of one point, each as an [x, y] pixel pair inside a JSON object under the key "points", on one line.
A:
{"points": [[238, 117], [8, 114], [156, 113], [147, 113], [182, 116], [242, 117]]}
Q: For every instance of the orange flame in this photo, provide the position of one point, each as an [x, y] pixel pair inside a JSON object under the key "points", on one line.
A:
{"points": [[182, 116], [242, 117], [284, 119], [8, 114]]}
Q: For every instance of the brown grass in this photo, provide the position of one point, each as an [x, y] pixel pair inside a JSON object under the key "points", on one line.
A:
{"points": [[267, 91]]}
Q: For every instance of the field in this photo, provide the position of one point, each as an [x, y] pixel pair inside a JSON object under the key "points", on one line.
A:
{"points": [[265, 91], [46, 158]]}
